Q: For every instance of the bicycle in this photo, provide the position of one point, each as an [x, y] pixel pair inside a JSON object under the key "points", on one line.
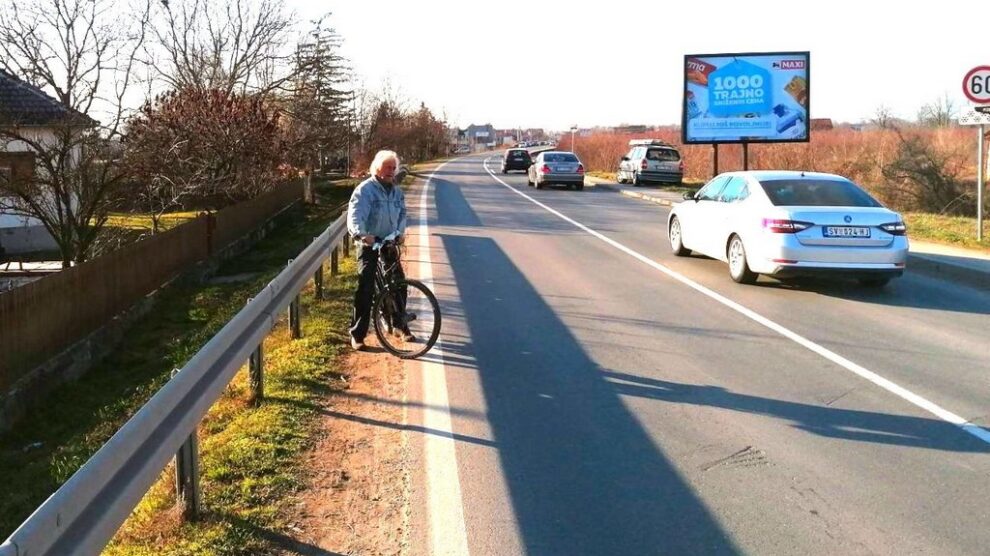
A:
{"points": [[405, 312]]}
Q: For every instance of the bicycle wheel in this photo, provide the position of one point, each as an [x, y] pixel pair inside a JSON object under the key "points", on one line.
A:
{"points": [[421, 319]]}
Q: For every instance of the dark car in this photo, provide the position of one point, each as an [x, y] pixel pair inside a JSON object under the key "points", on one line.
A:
{"points": [[516, 159]]}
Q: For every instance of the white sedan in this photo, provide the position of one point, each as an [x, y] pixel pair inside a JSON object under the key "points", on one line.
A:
{"points": [[786, 224]]}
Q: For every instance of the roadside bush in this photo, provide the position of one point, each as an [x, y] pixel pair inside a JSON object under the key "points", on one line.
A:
{"points": [[926, 175], [204, 149]]}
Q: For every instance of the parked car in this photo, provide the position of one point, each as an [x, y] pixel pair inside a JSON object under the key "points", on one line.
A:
{"points": [[556, 167], [651, 160], [462, 149], [516, 159], [786, 224]]}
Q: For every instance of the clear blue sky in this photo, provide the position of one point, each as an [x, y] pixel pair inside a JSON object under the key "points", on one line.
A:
{"points": [[553, 63]]}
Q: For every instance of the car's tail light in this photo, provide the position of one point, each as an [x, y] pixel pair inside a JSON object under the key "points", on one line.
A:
{"points": [[681, 166], [894, 228], [643, 164], [580, 168], [781, 226], [545, 169]]}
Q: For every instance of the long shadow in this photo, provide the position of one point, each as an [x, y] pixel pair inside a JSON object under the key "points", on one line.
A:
{"points": [[283, 542], [584, 477], [846, 424], [909, 291], [377, 423]]}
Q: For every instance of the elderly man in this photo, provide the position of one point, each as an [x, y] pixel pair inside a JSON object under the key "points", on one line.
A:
{"points": [[377, 208]]}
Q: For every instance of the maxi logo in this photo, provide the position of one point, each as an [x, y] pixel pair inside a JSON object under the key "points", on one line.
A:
{"points": [[739, 88]]}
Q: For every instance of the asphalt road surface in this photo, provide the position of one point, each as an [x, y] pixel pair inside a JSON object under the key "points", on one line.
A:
{"points": [[594, 394]]}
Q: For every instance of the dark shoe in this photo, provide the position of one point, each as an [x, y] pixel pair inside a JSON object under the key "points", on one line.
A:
{"points": [[358, 345]]}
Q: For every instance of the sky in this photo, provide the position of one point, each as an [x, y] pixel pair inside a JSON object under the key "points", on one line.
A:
{"points": [[553, 64]]}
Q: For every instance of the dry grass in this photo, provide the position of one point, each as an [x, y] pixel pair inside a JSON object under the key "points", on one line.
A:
{"points": [[858, 155]]}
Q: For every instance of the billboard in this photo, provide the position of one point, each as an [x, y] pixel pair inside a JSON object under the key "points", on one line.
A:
{"points": [[760, 97]]}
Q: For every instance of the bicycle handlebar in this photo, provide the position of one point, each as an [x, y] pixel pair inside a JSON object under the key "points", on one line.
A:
{"points": [[379, 241]]}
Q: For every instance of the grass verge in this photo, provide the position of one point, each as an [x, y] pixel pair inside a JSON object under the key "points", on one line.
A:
{"points": [[248, 453], [958, 231], [133, 221]]}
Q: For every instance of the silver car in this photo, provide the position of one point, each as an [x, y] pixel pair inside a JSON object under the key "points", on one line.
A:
{"points": [[650, 160], [556, 167], [786, 224]]}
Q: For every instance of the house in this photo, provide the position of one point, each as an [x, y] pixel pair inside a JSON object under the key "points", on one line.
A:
{"points": [[28, 112], [481, 134]]}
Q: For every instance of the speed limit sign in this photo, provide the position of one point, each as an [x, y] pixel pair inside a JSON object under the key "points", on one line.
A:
{"points": [[976, 85]]}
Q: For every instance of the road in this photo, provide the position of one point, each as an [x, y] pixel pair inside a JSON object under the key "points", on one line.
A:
{"points": [[594, 394]]}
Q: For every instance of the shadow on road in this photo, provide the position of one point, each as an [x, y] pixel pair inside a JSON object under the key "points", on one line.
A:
{"points": [[832, 422], [584, 477]]}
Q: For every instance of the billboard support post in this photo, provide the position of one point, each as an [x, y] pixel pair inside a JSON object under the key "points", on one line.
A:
{"points": [[979, 185], [715, 159], [745, 156]]}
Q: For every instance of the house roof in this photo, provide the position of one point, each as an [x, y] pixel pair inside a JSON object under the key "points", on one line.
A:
{"points": [[24, 104]]}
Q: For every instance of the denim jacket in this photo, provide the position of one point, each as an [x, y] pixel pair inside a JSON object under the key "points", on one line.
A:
{"points": [[375, 211]]}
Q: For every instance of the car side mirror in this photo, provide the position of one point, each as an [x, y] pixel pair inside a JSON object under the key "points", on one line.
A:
{"points": [[690, 196], [625, 159]]}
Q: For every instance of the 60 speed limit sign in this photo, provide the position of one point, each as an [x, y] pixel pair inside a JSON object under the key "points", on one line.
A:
{"points": [[976, 85]]}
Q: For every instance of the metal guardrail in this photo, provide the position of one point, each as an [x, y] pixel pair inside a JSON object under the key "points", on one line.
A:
{"points": [[83, 515]]}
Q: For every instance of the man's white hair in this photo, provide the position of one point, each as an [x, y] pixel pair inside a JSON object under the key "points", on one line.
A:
{"points": [[380, 159]]}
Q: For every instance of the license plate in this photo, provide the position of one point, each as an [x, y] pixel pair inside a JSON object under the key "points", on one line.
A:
{"points": [[846, 231]]}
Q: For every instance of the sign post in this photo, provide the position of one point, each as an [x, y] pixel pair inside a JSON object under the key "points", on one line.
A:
{"points": [[976, 87]]}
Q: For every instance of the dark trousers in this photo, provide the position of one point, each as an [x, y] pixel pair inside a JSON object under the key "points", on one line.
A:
{"points": [[364, 296]]}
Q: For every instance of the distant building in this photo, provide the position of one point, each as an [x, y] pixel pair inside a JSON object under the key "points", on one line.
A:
{"points": [[821, 124], [632, 129], [480, 134]]}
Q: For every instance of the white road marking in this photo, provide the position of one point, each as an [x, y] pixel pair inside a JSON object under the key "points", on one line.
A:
{"points": [[897, 390], [448, 534]]}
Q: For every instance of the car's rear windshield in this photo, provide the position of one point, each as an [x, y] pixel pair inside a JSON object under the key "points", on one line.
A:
{"points": [[559, 157], [663, 155], [518, 154], [812, 192]]}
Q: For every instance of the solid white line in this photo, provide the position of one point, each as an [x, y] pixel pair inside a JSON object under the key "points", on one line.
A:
{"points": [[448, 534], [934, 409]]}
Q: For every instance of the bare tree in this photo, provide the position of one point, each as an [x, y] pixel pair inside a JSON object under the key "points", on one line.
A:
{"points": [[83, 53], [236, 46], [883, 117], [938, 113]]}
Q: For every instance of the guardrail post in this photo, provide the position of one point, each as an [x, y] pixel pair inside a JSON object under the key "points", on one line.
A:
{"points": [[346, 243], [294, 324], [294, 321], [187, 475], [318, 282], [318, 279], [334, 262], [256, 371]]}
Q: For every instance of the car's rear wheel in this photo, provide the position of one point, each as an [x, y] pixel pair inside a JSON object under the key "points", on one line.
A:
{"points": [[876, 283], [636, 180], [677, 238], [738, 265], [579, 187]]}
